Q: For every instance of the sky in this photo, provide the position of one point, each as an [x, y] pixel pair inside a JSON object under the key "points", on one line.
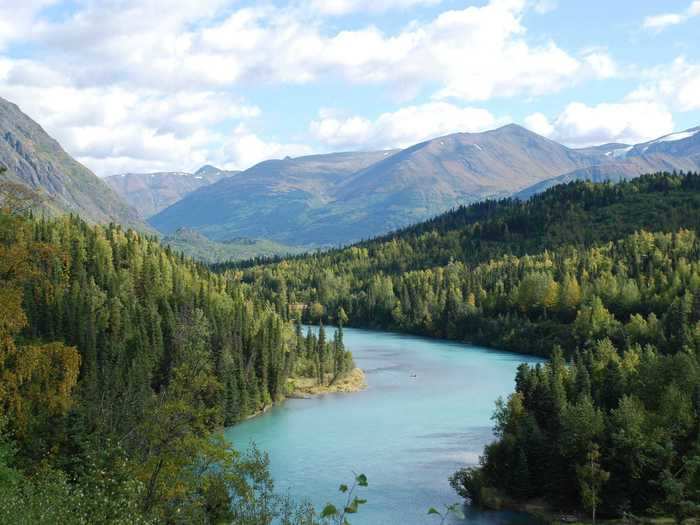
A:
{"points": [[171, 85]]}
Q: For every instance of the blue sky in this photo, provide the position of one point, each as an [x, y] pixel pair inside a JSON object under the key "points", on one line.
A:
{"points": [[146, 85]]}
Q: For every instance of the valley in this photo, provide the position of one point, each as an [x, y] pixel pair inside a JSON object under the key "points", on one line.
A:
{"points": [[425, 412], [140, 369], [324, 201], [150, 193], [349, 262], [288, 206]]}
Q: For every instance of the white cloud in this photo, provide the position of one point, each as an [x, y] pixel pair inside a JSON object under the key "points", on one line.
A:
{"points": [[644, 114], [17, 18], [185, 45], [344, 7], [545, 6], [162, 81], [113, 128], [601, 64], [665, 20], [244, 149], [659, 22], [583, 125], [139, 150], [676, 85], [539, 123], [401, 128], [480, 52]]}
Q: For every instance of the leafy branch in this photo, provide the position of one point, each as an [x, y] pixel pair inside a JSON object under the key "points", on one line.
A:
{"points": [[453, 510], [330, 512]]}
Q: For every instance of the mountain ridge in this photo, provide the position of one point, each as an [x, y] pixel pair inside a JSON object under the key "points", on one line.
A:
{"points": [[34, 158], [150, 193], [678, 151], [278, 193], [337, 198], [332, 199]]}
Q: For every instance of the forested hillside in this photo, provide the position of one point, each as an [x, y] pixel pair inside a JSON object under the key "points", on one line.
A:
{"points": [[197, 246], [604, 279], [613, 434], [119, 360], [509, 274], [617, 431]]}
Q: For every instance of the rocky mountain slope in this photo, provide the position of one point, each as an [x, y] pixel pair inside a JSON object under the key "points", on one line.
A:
{"points": [[150, 193], [334, 199], [276, 199], [35, 159], [675, 152]]}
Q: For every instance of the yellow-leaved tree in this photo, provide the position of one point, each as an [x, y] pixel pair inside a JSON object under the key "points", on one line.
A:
{"points": [[36, 379]]}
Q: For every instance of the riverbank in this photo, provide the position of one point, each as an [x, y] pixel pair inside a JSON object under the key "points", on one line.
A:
{"points": [[544, 513], [308, 387], [303, 387], [259, 412], [402, 431]]}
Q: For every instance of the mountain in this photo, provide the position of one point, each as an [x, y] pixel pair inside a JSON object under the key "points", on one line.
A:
{"points": [[212, 172], [675, 152], [150, 193], [325, 200], [35, 159], [275, 199], [469, 165], [434, 176]]}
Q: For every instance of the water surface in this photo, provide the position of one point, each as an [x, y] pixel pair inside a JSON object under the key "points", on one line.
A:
{"points": [[426, 412]]}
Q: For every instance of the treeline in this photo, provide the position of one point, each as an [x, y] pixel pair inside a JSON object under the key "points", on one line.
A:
{"points": [[119, 362], [581, 213], [616, 433], [604, 279], [315, 357], [509, 274]]}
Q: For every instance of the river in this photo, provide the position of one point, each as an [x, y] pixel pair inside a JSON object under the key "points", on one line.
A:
{"points": [[426, 412]]}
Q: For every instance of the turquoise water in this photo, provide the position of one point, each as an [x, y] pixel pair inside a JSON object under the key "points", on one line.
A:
{"points": [[407, 434]]}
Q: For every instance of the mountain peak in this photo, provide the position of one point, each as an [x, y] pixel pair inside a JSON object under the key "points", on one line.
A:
{"points": [[150, 193], [207, 169], [513, 127]]}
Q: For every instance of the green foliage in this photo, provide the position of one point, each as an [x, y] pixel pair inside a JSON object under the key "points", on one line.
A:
{"points": [[575, 263], [119, 360], [602, 278], [591, 479], [614, 431], [315, 357], [332, 515], [197, 246], [449, 510]]}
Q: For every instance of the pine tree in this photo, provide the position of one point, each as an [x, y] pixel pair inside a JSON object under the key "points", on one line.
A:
{"points": [[321, 352]]}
